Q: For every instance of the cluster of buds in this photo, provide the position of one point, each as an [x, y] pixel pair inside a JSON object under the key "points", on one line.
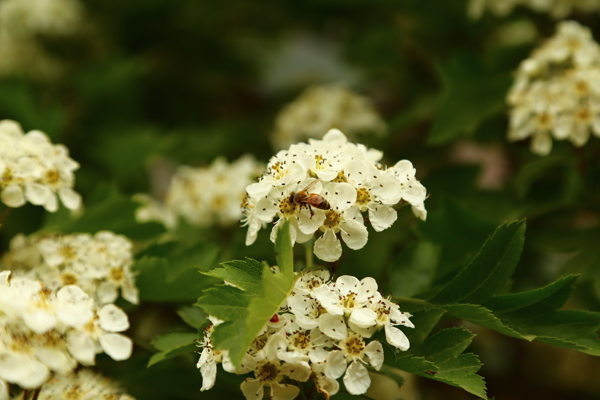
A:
{"points": [[44, 331], [556, 94], [321, 108], [33, 169], [322, 332], [98, 264], [325, 186], [203, 196]]}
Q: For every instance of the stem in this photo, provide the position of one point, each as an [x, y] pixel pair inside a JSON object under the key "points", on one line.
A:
{"points": [[25, 394], [302, 388], [36, 393], [308, 252], [423, 303]]}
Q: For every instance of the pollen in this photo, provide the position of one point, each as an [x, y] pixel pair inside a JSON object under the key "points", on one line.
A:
{"points": [[287, 208], [363, 197], [332, 219]]}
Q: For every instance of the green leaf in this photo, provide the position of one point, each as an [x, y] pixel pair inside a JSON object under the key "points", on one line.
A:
{"points": [[173, 344], [484, 317], [489, 271], [392, 374], [174, 276], [257, 295], [193, 316], [445, 350], [106, 209], [472, 95]]}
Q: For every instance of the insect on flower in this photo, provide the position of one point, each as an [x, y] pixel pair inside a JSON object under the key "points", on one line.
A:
{"points": [[306, 199]]}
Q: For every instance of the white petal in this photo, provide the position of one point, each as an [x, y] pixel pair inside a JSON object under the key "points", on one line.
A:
{"points": [[299, 371], [333, 326], [57, 360], [335, 366], [328, 247], [23, 371], [81, 347], [209, 375], [12, 196], [341, 196], [70, 198], [40, 321], [363, 317], [284, 391], [357, 379], [328, 298], [382, 217], [113, 319], [374, 352], [308, 223], [3, 390], [252, 389], [107, 292], [541, 144], [37, 194], [335, 135], [396, 338], [355, 234], [117, 346], [51, 204]]}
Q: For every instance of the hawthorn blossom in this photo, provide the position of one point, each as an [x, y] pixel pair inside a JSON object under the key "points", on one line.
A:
{"points": [[45, 332], [556, 8], [321, 108], [323, 188], [84, 384], [556, 93], [34, 170], [323, 331]]}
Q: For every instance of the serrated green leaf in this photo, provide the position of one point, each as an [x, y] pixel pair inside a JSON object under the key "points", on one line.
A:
{"points": [[482, 316], [516, 301], [445, 349], [472, 95], [247, 307], [424, 320], [173, 344], [489, 271]]}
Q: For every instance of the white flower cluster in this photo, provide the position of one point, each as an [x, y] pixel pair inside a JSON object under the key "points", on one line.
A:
{"points": [[35, 170], [22, 21], [321, 108], [556, 8], [203, 196], [323, 332], [325, 186], [44, 331], [99, 264], [82, 385], [556, 93]]}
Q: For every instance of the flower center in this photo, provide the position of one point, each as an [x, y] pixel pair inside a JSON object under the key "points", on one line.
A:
{"points": [[348, 301], [69, 279], [67, 252], [341, 177], [116, 274], [267, 372], [354, 345], [300, 340], [288, 208], [332, 219], [363, 197], [52, 176]]}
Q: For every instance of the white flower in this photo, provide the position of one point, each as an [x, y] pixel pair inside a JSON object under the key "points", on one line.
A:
{"points": [[99, 264], [270, 371], [556, 8], [320, 108], [355, 351], [323, 187], [555, 94], [83, 384], [33, 169]]}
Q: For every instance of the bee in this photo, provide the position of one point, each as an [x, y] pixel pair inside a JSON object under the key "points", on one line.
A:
{"points": [[306, 199]]}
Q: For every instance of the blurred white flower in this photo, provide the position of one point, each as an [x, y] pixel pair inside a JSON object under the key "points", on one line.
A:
{"points": [[35, 170], [84, 384], [556, 93], [321, 108], [43, 331], [99, 264]]}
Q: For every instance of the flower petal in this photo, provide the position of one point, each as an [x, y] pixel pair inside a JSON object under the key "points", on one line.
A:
{"points": [[117, 346], [382, 217], [396, 338], [355, 234], [357, 379], [328, 247]]}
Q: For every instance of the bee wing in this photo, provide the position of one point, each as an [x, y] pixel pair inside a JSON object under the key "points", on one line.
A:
{"points": [[310, 186]]}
